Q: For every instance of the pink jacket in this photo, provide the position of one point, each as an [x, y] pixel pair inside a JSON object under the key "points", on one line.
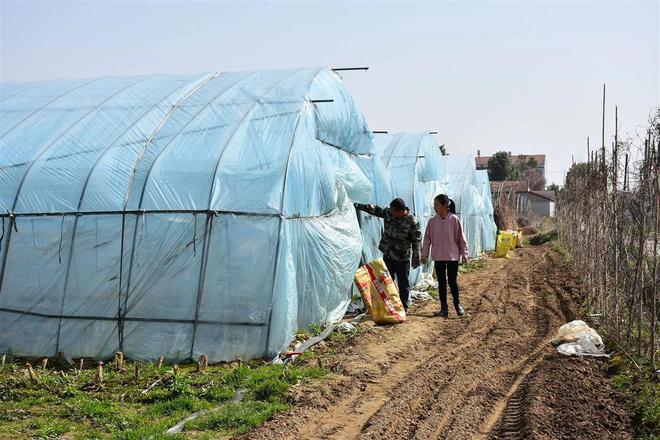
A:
{"points": [[445, 238]]}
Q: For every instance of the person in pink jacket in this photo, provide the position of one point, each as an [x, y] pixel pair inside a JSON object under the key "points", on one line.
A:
{"points": [[444, 238]]}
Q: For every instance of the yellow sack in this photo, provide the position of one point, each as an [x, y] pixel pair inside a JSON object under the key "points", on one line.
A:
{"points": [[379, 293], [519, 239], [505, 241]]}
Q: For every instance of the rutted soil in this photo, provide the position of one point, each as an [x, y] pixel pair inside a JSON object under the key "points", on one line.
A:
{"points": [[490, 374]]}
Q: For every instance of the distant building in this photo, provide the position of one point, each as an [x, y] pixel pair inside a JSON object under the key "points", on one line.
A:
{"points": [[533, 171], [525, 201], [482, 161]]}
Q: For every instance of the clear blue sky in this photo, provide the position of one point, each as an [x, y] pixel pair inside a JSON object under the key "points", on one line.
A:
{"points": [[525, 77]]}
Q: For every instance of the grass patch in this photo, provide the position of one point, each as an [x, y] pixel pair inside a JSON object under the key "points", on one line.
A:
{"points": [[313, 330], [125, 408], [644, 389], [472, 265], [237, 418], [557, 247]]}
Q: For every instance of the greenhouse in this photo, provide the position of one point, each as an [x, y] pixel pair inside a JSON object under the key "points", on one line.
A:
{"points": [[178, 215], [489, 228], [459, 182], [414, 163]]}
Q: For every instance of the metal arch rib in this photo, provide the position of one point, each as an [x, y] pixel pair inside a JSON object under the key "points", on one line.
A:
{"points": [[130, 184], [157, 130], [281, 225], [54, 142], [176, 136], [36, 159], [82, 195], [414, 188], [209, 224], [17, 93], [238, 124], [396, 139], [49, 103], [146, 180]]}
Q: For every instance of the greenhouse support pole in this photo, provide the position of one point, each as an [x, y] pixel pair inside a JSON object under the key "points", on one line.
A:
{"points": [[208, 230], [78, 214], [282, 225], [40, 155]]}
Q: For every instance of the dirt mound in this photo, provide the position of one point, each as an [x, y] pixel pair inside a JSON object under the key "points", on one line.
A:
{"points": [[568, 398]]}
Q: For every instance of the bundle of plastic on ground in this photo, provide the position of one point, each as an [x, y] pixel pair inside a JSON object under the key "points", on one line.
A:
{"points": [[177, 215]]}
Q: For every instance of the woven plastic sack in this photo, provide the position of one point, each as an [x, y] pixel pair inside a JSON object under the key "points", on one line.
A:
{"points": [[379, 293], [519, 239], [505, 241]]}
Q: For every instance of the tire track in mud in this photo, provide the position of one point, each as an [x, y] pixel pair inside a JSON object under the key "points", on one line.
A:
{"points": [[456, 378], [442, 401], [373, 398]]}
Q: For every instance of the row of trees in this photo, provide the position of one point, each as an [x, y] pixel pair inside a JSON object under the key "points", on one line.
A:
{"points": [[503, 166], [609, 215]]}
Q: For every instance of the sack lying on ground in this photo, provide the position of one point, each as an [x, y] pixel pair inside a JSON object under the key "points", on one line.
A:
{"points": [[505, 241], [379, 293], [519, 238], [578, 339]]}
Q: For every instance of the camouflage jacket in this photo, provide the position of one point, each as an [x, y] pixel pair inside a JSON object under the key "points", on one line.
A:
{"points": [[402, 235]]}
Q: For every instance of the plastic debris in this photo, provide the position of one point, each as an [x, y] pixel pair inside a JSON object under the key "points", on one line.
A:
{"points": [[345, 327], [417, 296], [578, 339]]}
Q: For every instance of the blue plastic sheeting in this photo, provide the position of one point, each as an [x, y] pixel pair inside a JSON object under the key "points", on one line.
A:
{"points": [[459, 183], [413, 160], [489, 231], [178, 215]]}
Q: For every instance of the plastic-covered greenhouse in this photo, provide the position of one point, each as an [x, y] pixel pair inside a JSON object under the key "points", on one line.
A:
{"points": [[178, 215], [417, 173], [489, 228], [414, 163]]}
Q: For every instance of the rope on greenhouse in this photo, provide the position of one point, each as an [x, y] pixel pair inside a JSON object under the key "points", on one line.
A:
{"points": [[131, 319]]}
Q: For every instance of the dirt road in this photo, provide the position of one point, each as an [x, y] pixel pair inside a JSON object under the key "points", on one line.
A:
{"points": [[490, 374]]}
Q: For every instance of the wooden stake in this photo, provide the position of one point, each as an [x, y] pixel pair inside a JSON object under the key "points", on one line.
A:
{"points": [[176, 369], [33, 375], [99, 373], [4, 358], [44, 363], [654, 292], [625, 175], [203, 363], [80, 365], [137, 372], [603, 136], [119, 361], [160, 362]]}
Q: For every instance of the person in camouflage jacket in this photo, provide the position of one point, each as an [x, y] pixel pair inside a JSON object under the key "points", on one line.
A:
{"points": [[401, 240]]}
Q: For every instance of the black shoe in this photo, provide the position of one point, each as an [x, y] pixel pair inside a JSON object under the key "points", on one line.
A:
{"points": [[443, 314], [459, 310]]}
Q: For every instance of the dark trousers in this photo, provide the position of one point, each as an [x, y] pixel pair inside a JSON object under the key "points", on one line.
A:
{"points": [[400, 270], [447, 271]]}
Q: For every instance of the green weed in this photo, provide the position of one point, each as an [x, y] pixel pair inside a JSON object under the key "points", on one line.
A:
{"points": [[644, 389], [237, 418]]}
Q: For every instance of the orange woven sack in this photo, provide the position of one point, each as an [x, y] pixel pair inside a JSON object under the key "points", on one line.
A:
{"points": [[379, 293]]}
